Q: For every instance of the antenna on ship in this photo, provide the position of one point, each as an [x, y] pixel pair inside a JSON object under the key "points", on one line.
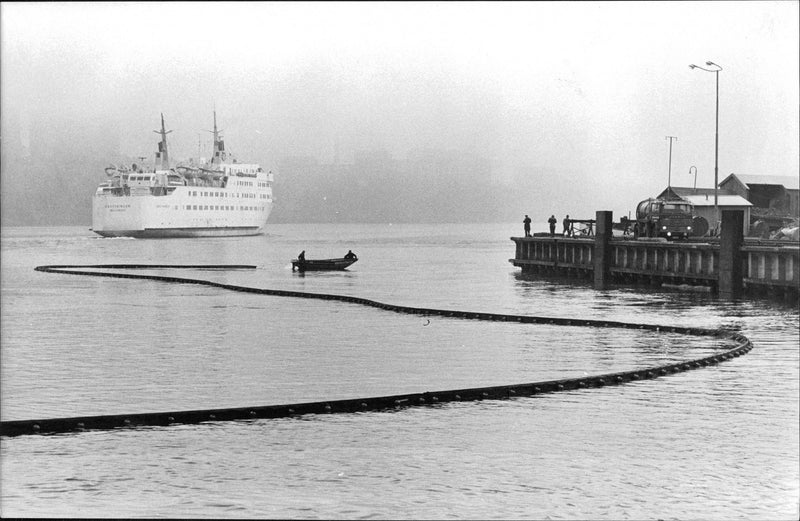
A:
{"points": [[219, 145], [162, 156]]}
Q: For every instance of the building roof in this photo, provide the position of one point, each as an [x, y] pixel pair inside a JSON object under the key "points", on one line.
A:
{"points": [[682, 191], [787, 181], [723, 200]]}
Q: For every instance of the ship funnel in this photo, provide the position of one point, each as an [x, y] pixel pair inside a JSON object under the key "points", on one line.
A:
{"points": [[218, 155], [162, 156]]}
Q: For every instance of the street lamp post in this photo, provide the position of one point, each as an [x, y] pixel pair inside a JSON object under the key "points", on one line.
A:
{"points": [[716, 134]]}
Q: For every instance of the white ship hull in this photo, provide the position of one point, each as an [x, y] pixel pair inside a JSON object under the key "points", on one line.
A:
{"points": [[181, 233], [188, 211]]}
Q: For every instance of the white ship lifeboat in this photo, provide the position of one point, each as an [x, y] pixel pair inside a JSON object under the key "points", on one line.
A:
{"points": [[187, 171], [207, 174]]}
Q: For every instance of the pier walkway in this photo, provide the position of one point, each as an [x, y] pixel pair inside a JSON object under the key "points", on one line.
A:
{"points": [[728, 265]]}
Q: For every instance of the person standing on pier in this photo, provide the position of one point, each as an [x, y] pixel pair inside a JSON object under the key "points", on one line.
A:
{"points": [[552, 220], [566, 231], [527, 225]]}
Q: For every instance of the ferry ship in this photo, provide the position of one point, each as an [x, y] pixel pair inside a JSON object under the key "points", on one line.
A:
{"points": [[216, 198]]}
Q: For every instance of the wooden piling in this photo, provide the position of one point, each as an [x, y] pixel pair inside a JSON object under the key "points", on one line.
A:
{"points": [[730, 254], [602, 249]]}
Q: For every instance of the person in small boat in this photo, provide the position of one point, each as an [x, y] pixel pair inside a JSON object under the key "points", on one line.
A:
{"points": [[350, 255], [302, 256]]}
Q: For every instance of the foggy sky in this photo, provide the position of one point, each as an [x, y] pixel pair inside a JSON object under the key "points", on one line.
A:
{"points": [[566, 105]]}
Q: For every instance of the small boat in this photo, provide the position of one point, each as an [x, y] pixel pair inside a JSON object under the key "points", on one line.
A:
{"points": [[322, 264]]}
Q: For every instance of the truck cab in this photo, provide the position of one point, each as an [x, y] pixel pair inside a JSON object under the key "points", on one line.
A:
{"points": [[663, 218]]}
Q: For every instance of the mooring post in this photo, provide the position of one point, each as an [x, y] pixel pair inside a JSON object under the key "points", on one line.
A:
{"points": [[730, 254], [602, 249]]}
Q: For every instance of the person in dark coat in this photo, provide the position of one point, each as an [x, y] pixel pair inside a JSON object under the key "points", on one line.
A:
{"points": [[302, 256], [552, 220], [566, 231], [527, 225]]}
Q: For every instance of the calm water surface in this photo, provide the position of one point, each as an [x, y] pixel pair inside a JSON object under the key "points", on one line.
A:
{"points": [[717, 443]]}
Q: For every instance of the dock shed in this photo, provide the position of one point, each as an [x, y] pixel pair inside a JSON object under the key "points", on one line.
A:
{"points": [[780, 195]]}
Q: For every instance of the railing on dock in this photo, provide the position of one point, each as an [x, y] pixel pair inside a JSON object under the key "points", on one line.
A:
{"points": [[729, 265]]}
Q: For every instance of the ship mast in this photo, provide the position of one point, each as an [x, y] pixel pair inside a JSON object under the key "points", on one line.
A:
{"points": [[219, 145], [162, 156]]}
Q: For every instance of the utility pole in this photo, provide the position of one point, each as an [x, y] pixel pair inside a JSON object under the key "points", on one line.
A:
{"points": [[669, 174]]}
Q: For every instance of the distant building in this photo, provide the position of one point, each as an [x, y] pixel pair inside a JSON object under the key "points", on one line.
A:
{"points": [[769, 194]]}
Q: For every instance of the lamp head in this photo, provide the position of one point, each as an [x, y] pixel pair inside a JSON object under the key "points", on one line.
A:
{"points": [[692, 66]]}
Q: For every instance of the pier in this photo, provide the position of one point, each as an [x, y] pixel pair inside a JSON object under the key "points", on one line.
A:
{"points": [[729, 265]]}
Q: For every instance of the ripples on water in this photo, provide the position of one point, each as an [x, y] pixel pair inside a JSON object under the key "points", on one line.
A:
{"points": [[720, 442]]}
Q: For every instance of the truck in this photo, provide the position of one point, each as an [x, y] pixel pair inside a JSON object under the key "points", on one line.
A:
{"points": [[662, 218]]}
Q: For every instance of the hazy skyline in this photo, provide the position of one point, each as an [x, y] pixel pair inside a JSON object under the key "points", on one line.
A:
{"points": [[587, 90]]}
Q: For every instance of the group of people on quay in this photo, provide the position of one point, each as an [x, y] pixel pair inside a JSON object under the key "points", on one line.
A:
{"points": [[567, 223]]}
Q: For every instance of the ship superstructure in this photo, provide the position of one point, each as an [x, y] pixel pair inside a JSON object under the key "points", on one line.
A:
{"points": [[198, 198]]}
